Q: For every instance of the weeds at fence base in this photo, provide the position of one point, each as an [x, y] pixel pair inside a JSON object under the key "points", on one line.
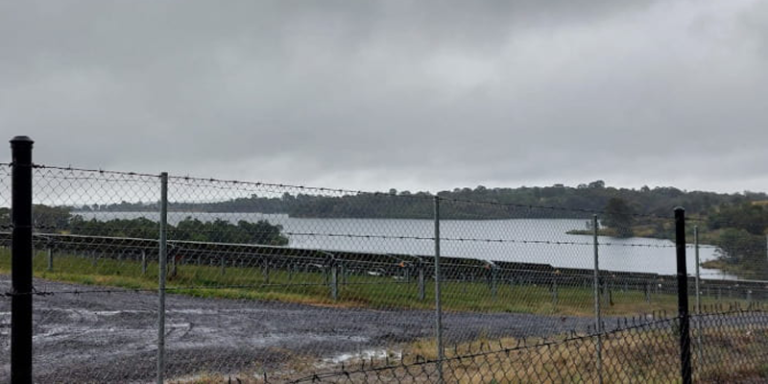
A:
{"points": [[646, 353]]}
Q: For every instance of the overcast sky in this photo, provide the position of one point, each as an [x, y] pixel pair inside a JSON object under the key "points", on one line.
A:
{"points": [[405, 94]]}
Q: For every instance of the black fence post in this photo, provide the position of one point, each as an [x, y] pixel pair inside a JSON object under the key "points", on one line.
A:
{"points": [[682, 297], [21, 260]]}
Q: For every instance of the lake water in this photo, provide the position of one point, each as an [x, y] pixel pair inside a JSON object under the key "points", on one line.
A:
{"points": [[525, 240]]}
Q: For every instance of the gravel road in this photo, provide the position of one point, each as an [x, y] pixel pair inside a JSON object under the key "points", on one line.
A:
{"points": [[111, 337]]}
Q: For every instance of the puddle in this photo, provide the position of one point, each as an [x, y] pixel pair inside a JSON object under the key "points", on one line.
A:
{"points": [[366, 354]]}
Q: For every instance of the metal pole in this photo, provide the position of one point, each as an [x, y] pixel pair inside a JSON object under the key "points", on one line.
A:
{"points": [[596, 286], [699, 341], [50, 259], [422, 286], [143, 262], [647, 292], [163, 258], [696, 250], [21, 260], [682, 298], [494, 281], [438, 307], [335, 281], [173, 263], [554, 290]]}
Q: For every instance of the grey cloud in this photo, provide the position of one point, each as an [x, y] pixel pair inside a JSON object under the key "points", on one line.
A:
{"points": [[405, 94]]}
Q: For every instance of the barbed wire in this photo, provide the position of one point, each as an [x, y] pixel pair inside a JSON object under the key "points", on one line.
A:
{"points": [[99, 171], [188, 180], [488, 240]]}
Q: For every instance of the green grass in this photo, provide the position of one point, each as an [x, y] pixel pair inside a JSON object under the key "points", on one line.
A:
{"points": [[359, 290]]}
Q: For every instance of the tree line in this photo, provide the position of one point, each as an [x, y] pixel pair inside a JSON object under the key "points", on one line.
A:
{"points": [[736, 223], [61, 220], [463, 203]]}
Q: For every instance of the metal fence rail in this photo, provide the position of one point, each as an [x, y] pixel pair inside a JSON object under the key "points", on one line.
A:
{"points": [[143, 277]]}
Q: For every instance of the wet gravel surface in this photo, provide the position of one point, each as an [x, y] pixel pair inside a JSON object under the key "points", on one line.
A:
{"points": [[111, 337]]}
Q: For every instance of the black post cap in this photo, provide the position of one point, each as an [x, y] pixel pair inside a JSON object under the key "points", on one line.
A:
{"points": [[22, 140]]}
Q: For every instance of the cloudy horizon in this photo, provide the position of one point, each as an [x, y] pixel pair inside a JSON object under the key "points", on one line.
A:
{"points": [[408, 95]]}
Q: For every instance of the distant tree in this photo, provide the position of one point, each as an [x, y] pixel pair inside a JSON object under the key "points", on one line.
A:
{"points": [[190, 229], [752, 218], [619, 216], [739, 246], [50, 219], [597, 184]]}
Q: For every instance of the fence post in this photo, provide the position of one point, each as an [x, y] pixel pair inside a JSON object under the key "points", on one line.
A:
{"points": [[696, 252], [143, 261], [647, 292], [596, 288], [682, 298], [554, 289], [438, 307], [21, 260], [334, 280], [174, 254], [163, 261], [494, 281], [699, 341], [422, 286], [50, 258]]}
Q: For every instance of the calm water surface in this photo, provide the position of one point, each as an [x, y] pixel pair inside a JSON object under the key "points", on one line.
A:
{"points": [[526, 240]]}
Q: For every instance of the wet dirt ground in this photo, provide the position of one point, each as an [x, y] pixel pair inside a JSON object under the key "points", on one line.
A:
{"points": [[112, 337]]}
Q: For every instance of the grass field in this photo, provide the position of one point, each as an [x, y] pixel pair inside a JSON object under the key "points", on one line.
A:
{"points": [[355, 291]]}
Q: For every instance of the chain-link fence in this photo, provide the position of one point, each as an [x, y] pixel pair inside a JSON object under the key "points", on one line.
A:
{"points": [[265, 282], [733, 351]]}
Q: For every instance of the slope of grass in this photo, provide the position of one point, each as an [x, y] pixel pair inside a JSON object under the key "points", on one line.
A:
{"points": [[357, 290]]}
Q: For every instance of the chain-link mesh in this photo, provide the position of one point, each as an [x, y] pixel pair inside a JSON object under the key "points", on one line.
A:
{"points": [[5, 268], [293, 277], [95, 309], [733, 350], [268, 282]]}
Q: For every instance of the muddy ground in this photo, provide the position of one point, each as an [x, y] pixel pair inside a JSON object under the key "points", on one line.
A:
{"points": [[111, 337]]}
